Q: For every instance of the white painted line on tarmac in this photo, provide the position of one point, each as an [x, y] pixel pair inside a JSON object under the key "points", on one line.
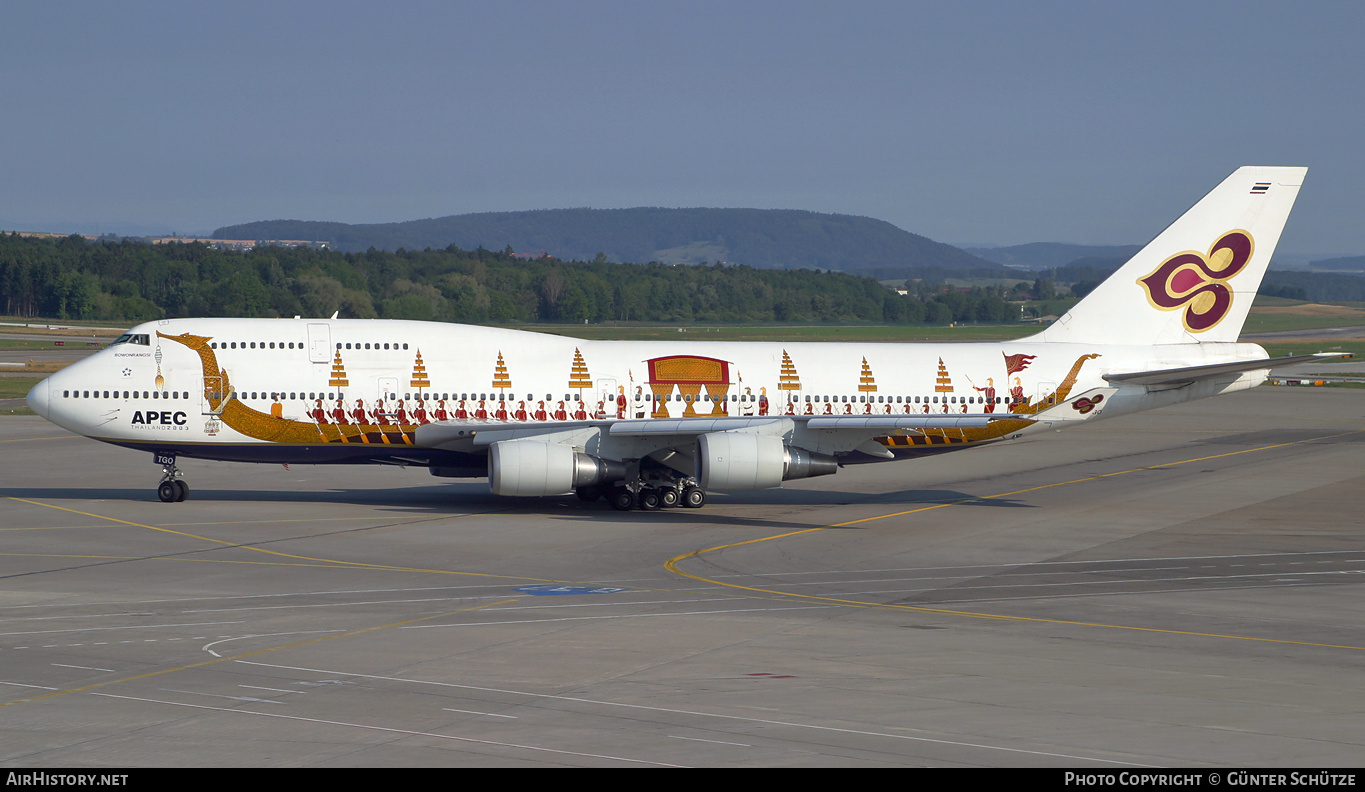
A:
{"points": [[791, 724], [389, 730]]}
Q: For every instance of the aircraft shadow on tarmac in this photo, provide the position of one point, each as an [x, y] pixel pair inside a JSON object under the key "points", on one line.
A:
{"points": [[461, 499]]}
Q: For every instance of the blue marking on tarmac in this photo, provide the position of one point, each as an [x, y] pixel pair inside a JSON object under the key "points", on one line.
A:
{"points": [[557, 591]]}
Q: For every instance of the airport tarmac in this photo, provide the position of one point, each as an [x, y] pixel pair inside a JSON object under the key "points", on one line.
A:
{"points": [[1177, 588]]}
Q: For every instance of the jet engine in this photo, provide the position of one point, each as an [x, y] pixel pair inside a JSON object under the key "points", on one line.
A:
{"points": [[736, 461], [532, 467]]}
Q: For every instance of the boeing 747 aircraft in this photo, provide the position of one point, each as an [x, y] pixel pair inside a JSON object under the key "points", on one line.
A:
{"points": [[655, 424]]}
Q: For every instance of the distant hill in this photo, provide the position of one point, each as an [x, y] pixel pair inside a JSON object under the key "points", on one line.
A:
{"points": [[1047, 255], [1344, 264], [761, 238]]}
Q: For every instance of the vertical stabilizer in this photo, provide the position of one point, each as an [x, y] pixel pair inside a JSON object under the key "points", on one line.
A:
{"points": [[1195, 281]]}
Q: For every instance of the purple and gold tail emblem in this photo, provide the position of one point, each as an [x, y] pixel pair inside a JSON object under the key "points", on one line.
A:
{"points": [[1085, 405], [1199, 283]]}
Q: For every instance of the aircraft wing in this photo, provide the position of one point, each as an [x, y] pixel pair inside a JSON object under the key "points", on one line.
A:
{"points": [[1189, 374], [880, 423], [476, 434]]}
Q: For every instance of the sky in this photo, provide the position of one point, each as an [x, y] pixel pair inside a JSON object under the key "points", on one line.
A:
{"points": [[966, 122]]}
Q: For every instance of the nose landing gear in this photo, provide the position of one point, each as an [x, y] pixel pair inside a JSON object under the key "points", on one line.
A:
{"points": [[172, 488]]}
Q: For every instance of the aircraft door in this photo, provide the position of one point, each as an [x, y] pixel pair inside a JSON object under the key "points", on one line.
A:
{"points": [[319, 342], [213, 389], [388, 388], [1046, 395], [606, 393]]}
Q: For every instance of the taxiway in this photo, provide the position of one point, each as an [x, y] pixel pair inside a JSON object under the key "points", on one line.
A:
{"points": [[1177, 588]]}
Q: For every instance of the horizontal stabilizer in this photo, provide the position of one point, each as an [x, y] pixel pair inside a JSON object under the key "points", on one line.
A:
{"points": [[1180, 376]]}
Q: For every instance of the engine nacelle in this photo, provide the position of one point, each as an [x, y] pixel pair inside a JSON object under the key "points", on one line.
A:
{"points": [[737, 461], [532, 467]]}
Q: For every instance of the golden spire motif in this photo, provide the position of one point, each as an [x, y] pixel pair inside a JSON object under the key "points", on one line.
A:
{"points": [[789, 380], [866, 383], [944, 383], [500, 378], [338, 379], [419, 374], [578, 374]]}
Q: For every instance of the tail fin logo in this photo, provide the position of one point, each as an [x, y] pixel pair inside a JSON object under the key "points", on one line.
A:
{"points": [[1085, 405], [1198, 282]]}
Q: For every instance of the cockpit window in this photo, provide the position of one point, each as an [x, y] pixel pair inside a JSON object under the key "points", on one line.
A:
{"points": [[142, 339]]}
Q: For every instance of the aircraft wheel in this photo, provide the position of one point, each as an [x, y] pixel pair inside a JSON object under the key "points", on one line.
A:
{"points": [[167, 491], [182, 490], [694, 497], [649, 499], [669, 497], [622, 499]]}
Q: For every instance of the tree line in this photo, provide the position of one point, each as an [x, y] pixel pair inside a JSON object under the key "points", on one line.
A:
{"points": [[120, 279]]}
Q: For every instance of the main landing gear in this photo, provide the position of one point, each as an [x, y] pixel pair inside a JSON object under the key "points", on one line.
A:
{"points": [[650, 494], [172, 488]]}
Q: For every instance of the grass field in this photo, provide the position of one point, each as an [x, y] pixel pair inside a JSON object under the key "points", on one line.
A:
{"points": [[1302, 316], [1280, 349], [16, 388], [68, 343], [21, 324]]}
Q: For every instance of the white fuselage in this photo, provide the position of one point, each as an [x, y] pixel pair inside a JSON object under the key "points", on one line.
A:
{"points": [[368, 372]]}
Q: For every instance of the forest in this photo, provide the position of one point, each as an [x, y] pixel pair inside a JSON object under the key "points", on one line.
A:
{"points": [[121, 279]]}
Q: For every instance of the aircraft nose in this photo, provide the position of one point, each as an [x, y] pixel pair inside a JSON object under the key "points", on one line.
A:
{"points": [[37, 398]]}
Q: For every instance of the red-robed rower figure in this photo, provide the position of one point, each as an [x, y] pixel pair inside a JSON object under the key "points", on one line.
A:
{"points": [[989, 392]]}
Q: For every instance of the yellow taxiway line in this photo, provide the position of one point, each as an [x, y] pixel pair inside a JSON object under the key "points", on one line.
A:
{"points": [[672, 564]]}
